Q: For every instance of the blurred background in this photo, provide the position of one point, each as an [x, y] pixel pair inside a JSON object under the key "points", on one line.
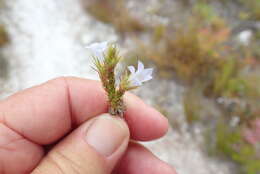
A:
{"points": [[205, 53]]}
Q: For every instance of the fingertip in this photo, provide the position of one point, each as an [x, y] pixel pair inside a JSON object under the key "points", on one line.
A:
{"points": [[146, 123], [153, 126], [163, 124]]}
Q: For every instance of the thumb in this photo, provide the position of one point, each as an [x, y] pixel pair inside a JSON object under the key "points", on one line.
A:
{"points": [[94, 147]]}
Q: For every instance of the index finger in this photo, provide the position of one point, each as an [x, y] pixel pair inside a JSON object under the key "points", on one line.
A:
{"points": [[45, 113]]}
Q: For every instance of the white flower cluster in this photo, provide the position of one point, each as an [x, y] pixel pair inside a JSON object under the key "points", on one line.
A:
{"points": [[98, 49], [140, 75], [136, 77]]}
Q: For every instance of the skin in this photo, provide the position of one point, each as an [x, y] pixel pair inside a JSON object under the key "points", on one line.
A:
{"points": [[42, 130]]}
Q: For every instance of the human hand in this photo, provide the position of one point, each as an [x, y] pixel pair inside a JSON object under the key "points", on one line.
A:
{"points": [[64, 118]]}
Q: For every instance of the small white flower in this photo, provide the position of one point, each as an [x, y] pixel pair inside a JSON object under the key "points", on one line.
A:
{"points": [[245, 37], [234, 121], [141, 75], [98, 49]]}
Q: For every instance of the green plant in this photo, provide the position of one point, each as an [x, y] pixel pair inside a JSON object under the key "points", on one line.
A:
{"points": [[106, 58], [158, 32], [192, 105], [230, 142], [106, 71], [191, 52], [4, 39], [206, 15], [226, 72], [253, 8]]}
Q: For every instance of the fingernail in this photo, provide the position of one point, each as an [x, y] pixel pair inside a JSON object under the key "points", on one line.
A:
{"points": [[106, 134]]}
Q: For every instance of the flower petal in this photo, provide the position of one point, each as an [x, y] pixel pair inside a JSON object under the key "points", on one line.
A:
{"points": [[131, 69], [145, 75], [147, 78], [141, 75], [140, 66], [136, 82], [98, 45], [148, 71], [98, 49], [103, 46]]}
